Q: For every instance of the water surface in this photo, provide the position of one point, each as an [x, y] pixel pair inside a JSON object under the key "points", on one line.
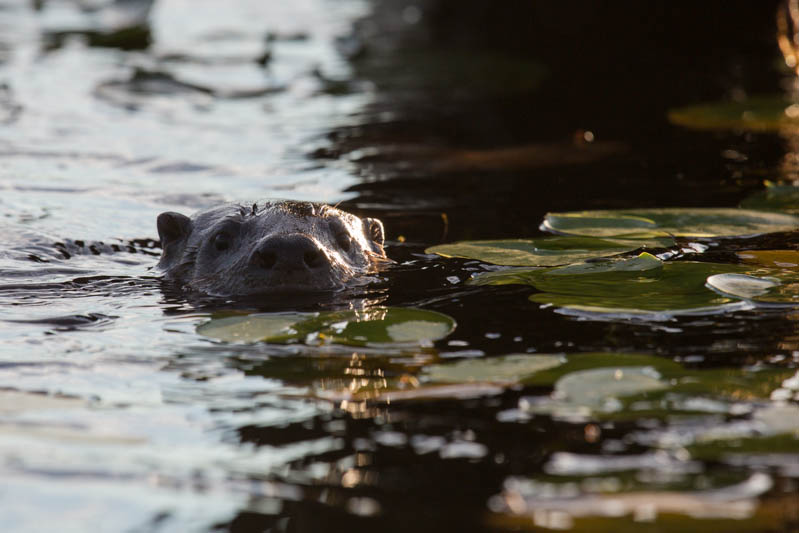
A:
{"points": [[118, 414]]}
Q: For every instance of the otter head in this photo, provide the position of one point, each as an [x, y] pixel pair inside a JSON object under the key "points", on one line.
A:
{"points": [[240, 249]]}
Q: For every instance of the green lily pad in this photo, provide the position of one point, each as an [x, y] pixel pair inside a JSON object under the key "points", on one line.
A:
{"points": [[660, 222], [376, 325], [594, 387], [738, 383], [596, 360], [631, 386], [640, 285], [772, 278], [582, 393], [765, 113], [773, 286], [546, 251], [505, 369], [782, 198], [741, 285]]}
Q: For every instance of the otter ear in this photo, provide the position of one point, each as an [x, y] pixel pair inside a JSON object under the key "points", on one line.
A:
{"points": [[374, 230], [173, 227]]}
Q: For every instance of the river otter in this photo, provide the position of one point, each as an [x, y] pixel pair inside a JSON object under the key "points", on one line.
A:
{"points": [[241, 249]]}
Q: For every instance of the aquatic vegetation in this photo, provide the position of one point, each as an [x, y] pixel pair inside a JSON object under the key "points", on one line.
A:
{"points": [[661, 222], [729, 415], [545, 251], [578, 272], [374, 325], [764, 285], [508, 369], [603, 386], [641, 285], [127, 404]]}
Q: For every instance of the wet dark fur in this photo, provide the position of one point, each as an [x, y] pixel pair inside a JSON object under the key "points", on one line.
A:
{"points": [[246, 248]]}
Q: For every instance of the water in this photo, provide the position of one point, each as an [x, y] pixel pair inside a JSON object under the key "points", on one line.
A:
{"points": [[117, 414]]}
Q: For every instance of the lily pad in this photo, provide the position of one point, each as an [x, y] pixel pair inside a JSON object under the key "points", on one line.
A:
{"points": [[741, 285], [630, 386], [660, 222], [506, 369], [546, 251], [251, 328], [376, 325], [593, 388], [763, 114], [581, 394], [782, 198], [773, 286], [640, 285]]}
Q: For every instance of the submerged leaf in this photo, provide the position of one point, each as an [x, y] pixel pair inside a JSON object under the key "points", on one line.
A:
{"points": [[370, 326], [545, 251], [660, 222]]}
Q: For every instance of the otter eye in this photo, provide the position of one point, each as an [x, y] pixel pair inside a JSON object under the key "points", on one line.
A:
{"points": [[221, 241], [344, 241]]}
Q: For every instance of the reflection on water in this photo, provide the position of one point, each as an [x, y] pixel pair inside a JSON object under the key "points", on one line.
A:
{"points": [[420, 401]]}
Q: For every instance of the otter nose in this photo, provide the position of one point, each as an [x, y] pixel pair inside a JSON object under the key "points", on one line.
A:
{"points": [[288, 252]]}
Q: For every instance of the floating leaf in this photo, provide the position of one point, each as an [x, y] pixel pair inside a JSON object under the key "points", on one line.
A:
{"points": [[596, 392], [545, 251], [782, 198], [684, 222], [644, 262], [639, 285], [600, 388], [593, 361], [506, 369], [765, 113], [581, 394], [774, 286], [251, 328], [773, 278], [629, 386], [741, 285], [374, 325]]}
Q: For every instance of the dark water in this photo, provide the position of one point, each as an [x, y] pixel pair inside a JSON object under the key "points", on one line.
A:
{"points": [[449, 121]]}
